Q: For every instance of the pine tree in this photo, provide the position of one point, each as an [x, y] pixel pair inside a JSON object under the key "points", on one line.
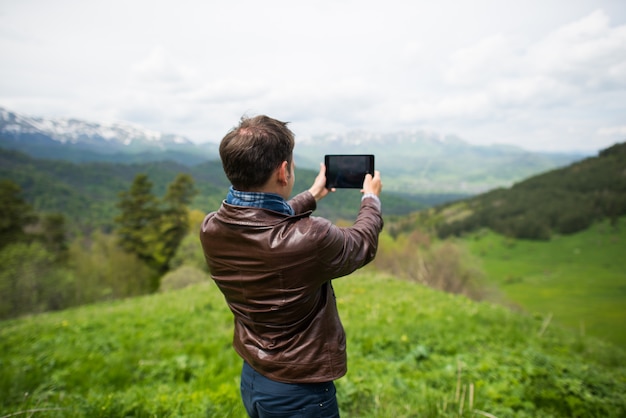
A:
{"points": [[15, 214], [174, 223], [138, 220], [154, 229], [53, 235]]}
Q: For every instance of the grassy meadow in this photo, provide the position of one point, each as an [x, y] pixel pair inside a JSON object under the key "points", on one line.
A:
{"points": [[578, 280], [413, 352]]}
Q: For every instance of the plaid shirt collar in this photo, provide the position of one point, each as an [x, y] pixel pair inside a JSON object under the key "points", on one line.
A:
{"points": [[269, 201]]}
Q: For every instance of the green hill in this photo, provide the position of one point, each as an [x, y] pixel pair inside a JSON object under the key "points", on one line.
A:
{"points": [[412, 351], [552, 244], [561, 201], [578, 280]]}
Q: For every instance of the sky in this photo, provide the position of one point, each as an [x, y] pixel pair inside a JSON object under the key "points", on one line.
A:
{"points": [[544, 75]]}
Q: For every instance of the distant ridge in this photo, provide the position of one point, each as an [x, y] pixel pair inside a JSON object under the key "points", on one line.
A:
{"points": [[426, 162], [561, 201], [412, 162]]}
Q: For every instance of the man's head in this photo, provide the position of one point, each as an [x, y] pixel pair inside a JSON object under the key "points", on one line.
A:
{"points": [[252, 151]]}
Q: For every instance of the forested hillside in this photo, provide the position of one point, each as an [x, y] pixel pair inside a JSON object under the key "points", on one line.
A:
{"points": [[79, 233], [413, 350], [73, 234], [561, 201], [87, 192]]}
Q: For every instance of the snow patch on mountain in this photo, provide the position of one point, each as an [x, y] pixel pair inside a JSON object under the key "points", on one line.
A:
{"points": [[78, 131]]}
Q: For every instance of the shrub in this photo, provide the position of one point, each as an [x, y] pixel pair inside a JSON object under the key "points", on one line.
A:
{"points": [[105, 271], [182, 277], [189, 252], [25, 268], [441, 265]]}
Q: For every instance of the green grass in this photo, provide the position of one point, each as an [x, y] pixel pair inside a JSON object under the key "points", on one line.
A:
{"points": [[579, 279], [412, 352]]}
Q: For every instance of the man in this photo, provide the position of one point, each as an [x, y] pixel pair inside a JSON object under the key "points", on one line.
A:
{"points": [[274, 263]]}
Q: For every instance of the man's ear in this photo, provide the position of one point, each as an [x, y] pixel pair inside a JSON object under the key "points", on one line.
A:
{"points": [[284, 173]]}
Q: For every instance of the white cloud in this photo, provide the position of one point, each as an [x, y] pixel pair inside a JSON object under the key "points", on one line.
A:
{"points": [[490, 57], [588, 52], [160, 68], [563, 80], [531, 72], [611, 135]]}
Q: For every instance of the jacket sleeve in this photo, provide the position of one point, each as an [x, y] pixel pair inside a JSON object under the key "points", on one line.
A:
{"points": [[303, 202], [344, 250]]}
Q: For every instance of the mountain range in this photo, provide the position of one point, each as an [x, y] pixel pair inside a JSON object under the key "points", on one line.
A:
{"points": [[412, 162], [81, 141], [77, 132]]}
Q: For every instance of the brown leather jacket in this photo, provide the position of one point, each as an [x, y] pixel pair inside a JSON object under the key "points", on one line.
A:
{"points": [[275, 272]]}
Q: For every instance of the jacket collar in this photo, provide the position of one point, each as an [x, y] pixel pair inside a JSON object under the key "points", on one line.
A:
{"points": [[268, 201]]}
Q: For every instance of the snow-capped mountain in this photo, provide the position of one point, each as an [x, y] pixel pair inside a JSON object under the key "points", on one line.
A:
{"points": [[76, 131], [78, 140]]}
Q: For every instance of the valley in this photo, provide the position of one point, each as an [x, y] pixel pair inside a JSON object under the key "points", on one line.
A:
{"points": [[507, 301], [577, 280]]}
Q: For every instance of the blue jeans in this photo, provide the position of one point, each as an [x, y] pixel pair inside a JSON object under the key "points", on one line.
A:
{"points": [[265, 398]]}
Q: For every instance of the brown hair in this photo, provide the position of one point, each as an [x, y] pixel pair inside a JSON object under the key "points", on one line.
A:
{"points": [[251, 151]]}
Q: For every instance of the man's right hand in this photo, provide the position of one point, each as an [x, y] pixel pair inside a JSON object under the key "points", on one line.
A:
{"points": [[318, 189], [372, 184]]}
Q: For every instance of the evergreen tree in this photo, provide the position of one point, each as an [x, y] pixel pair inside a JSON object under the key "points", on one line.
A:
{"points": [[138, 220], [153, 229], [175, 217], [180, 192], [15, 214], [52, 233]]}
